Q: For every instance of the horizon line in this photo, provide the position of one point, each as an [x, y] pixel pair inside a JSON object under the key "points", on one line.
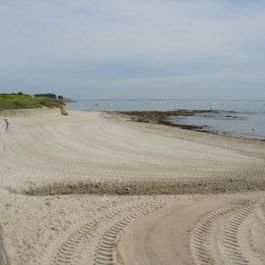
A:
{"points": [[165, 99]]}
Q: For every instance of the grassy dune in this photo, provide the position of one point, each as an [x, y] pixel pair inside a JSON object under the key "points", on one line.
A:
{"points": [[10, 102]]}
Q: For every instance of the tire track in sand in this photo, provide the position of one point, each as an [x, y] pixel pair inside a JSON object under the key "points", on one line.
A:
{"points": [[224, 236], [207, 232], [105, 232]]}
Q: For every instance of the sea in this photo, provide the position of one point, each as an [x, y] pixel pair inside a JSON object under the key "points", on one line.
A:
{"points": [[243, 118]]}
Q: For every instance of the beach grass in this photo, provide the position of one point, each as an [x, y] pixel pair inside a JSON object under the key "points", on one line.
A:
{"points": [[11, 102]]}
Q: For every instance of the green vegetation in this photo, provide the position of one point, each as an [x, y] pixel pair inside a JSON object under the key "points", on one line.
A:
{"points": [[48, 95], [20, 101]]}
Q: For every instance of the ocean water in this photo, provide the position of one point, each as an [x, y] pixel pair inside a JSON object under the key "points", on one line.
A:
{"points": [[238, 117]]}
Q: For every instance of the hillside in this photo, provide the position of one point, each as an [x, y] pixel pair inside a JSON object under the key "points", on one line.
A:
{"points": [[10, 102]]}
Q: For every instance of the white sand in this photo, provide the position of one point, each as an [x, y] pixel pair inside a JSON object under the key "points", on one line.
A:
{"points": [[93, 152]]}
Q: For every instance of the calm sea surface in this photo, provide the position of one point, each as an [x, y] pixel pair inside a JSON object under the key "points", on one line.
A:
{"points": [[238, 117]]}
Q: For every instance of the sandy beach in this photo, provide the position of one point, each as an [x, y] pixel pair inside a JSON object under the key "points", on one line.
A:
{"points": [[95, 188]]}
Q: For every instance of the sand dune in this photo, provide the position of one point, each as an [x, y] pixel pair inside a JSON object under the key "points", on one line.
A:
{"points": [[86, 155]]}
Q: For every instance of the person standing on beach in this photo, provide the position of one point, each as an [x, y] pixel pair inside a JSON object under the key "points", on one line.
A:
{"points": [[7, 125]]}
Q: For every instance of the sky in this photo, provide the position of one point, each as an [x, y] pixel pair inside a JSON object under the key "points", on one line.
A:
{"points": [[136, 49]]}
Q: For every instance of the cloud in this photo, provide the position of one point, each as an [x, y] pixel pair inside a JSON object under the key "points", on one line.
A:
{"points": [[58, 43]]}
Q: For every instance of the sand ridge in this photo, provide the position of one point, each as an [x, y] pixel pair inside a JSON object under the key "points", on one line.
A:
{"points": [[75, 169]]}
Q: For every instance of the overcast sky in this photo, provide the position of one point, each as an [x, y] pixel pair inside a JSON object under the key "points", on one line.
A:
{"points": [[134, 48]]}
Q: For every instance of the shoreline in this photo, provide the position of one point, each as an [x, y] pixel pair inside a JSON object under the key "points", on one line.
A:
{"points": [[162, 118]]}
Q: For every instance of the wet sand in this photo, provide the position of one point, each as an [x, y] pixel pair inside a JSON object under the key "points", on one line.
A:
{"points": [[94, 188]]}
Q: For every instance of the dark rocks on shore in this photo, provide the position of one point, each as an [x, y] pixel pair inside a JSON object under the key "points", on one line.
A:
{"points": [[231, 116], [162, 117]]}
